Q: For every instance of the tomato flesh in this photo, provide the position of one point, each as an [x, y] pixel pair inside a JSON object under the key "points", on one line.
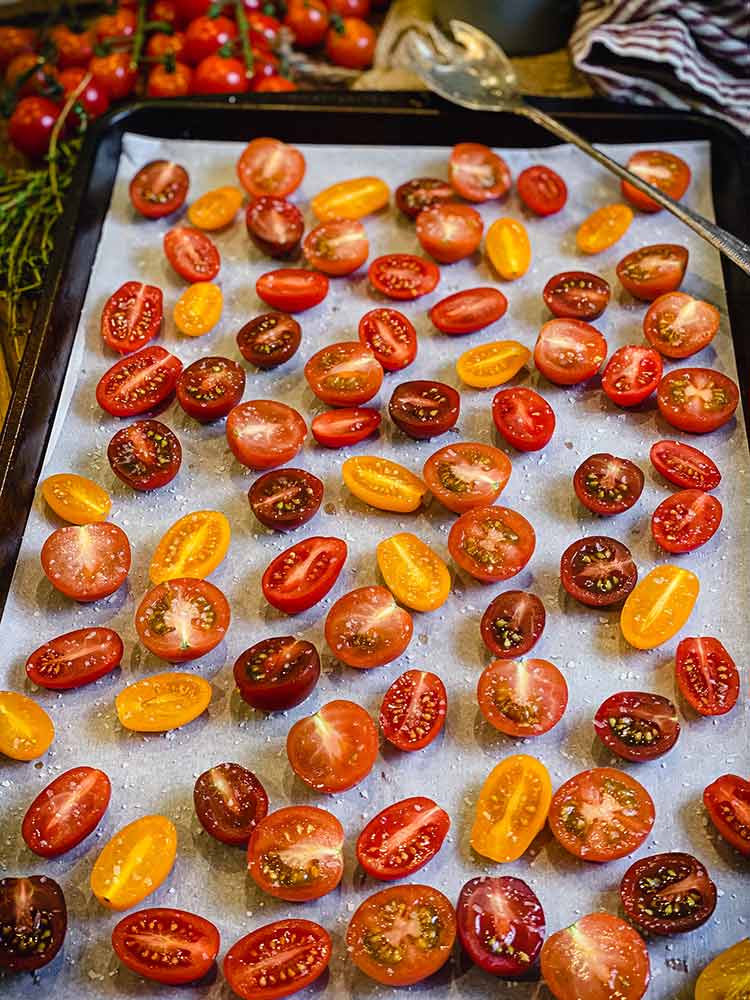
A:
{"points": [[159, 188], [303, 574], [229, 801], [728, 803], [632, 374], [75, 658], [653, 271], [685, 466], [637, 725], [511, 808], [210, 387], [501, 925], [522, 697], [466, 475], [402, 838], [192, 254], [449, 232], [366, 628], [292, 289], [469, 310], [569, 351], [424, 409], [344, 374], [88, 561], [285, 499], [491, 543], [274, 225], [166, 945], [145, 455], [576, 295], [402, 276], [278, 959], [686, 520], [677, 325], [668, 893], [542, 190], [277, 674], [139, 382], [270, 167], [263, 433], [512, 623], [390, 336], [707, 675], [344, 427], [337, 247], [269, 340], [422, 192], [608, 485], [523, 417], [697, 400], [664, 170], [478, 174], [66, 812], [182, 619], [132, 316], [413, 710], [598, 571], [334, 749], [34, 919]]}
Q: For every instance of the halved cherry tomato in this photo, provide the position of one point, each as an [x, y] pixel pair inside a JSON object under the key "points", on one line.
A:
{"points": [[210, 387], [728, 803], [269, 340], [296, 853], [303, 574], [26, 731], [415, 574], [424, 409], [139, 382], [402, 838], [686, 520], [88, 561], [490, 365], [470, 310], [344, 374], [728, 973], [659, 606], [653, 271], [269, 166], [285, 499], [508, 247], [576, 295], [449, 232], [336, 247], [277, 674], [697, 400], [292, 289], [598, 571], [491, 543], [607, 484], [668, 893], [351, 199], [345, 427], [422, 192], [513, 623], [277, 960], [229, 801], [66, 811], [160, 187], [263, 433], [598, 957], [131, 316], [601, 814], [334, 749], [542, 190], [664, 170], [192, 254], [216, 209], [193, 546], [366, 628], [135, 862], [403, 276], [413, 710], [165, 945], [522, 697], [161, 702], [274, 225], [183, 619], [145, 455], [678, 325], [198, 309], [390, 336], [632, 374], [383, 484], [466, 475], [511, 808], [476, 173], [76, 499], [707, 676], [501, 925], [34, 921], [569, 351], [523, 417], [637, 725], [75, 658], [684, 466], [603, 228], [403, 934]]}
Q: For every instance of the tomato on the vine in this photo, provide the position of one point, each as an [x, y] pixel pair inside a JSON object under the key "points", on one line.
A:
{"points": [[31, 124], [145, 455], [205, 35], [366, 628], [15, 41], [303, 574], [166, 945], [167, 81], [707, 675], [637, 725], [334, 749], [413, 710], [668, 893], [607, 484], [402, 838], [350, 42], [115, 74], [296, 853], [92, 97], [632, 374], [218, 74], [308, 22], [491, 543], [119, 25]]}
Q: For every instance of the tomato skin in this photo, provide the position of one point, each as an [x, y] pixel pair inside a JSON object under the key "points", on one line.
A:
{"points": [[114, 74], [208, 612], [668, 893], [727, 800], [513, 623], [678, 325], [469, 310], [164, 82], [31, 124], [381, 848], [413, 710], [542, 190], [523, 417], [697, 400], [288, 832], [274, 225], [608, 485], [160, 43], [303, 945], [469, 546], [322, 559], [217, 74], [569, 351], [33, 911], [139, 382], [121, 24], [65, 812], [424, 409], [308, 22], [347, 760], [344, 427], [664, 170], [576, 295], [131, 317], [603, 228], [285, 499], [707, 676], [87, 562], [501, 925], [449, 232], [337, 246], [14, 41], [292, 289], [632, 374], [277, 674], [390, 336], [522, 697], [94, 100], [145, 455], [159, 188], [352, 45], [204, 36], [637, 725], [598, 571], [192, 254], [466, 475], [684, 466], [686, 520], [478, 174], [229, 802], [75, 658], [366, 628], [403, 276], [511, 808], [269, 166], [166, 945], [210, 387], [263, 433], [344, 374], [269, 340], [652, 271], [422, 192]]}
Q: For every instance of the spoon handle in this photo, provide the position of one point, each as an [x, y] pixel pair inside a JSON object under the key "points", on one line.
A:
{"points": [[735, 249]]}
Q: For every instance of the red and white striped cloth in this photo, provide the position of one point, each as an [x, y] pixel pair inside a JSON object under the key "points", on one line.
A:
{"points": [[682, 53]]}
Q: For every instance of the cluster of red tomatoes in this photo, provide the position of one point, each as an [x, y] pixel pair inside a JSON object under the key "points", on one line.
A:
{"points": [[405, 932]]}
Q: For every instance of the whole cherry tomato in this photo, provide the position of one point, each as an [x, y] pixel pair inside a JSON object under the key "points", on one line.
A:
{"points": [[205, 36], [31, 124], [603, 228], [469, 310], [350, 42], [334, 749], [653, 271], [115, 73], [166, 81], [76, 499], [28, 74], [160, 43], [65, 812], [542, 190], [478, 174], [218, 74], [274, 84], [512, 808], [308, 22], [120, 25], [15, 41], [664, 170], [292, 289], [165, 945], [93, 99], [135, 862], [402, 838], [366, 628], [345, 426]]}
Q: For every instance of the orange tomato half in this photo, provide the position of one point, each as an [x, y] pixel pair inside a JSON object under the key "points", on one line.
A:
{"points": [[726, 977], [198, 309], [135, 862], [508, 247], [489, 365], [512, 808], [603, 228], [76, 499], [659, 606], [414, 574], [194, 546], [351, 199], [163, 701], [26, 731], [383, 484], [216, 209]]}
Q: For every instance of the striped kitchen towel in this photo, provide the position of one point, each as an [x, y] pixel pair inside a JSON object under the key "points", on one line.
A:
{"points": [[682, 53]]}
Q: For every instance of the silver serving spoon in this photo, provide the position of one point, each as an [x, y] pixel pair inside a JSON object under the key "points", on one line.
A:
{"points": [[475, 73]]}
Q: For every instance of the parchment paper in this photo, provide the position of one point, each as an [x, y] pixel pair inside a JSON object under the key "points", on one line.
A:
{"points": [[156, 773]]}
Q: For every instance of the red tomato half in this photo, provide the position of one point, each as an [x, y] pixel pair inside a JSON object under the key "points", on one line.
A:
{"points": [[728, 803], [403, 276], [75, 658], [684, 466], [413, 710], [422, 192], [192, 254], [402, 838], [707, 676], [182, 619], [274, 225], [632, 374], [229, 801], [664, 170], [145, 455], [296, 853], [66, 811], [285, 499], [277, 960], [608, 485], [139, 382], [668, 893], [653, 271], [209, 388], [337, 246], [576, 295], [491, 543], [637, 725], [292, 289], [344, 374], [469, 310], [678, 325], [522, 697], [449, 232], [303, 574], [686, 520], [523, 417], [88, 561], [263, 433], [366, 628], [513, 623], [159, 188], [345, 427], [598, 571], [542, 190], [477, 173], [501, 925], [165, 945], [277, 674], [269, 340], [569, 351], [334, 749], [390, 336], [466, 475], [131, 316], [697, 400], [424, 409], [269, 166]]}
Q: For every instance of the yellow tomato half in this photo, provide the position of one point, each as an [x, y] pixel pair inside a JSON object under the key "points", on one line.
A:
{"points": [[415, 575], [198, 309], [383, 484], [508, 247], [603, 228], [135, 862], [727, 977], [76, 499], [216, 209], [351, 199], [489, 365], [659, 606], [162, 701], [194, 546], [512, 808], [26, 731]]}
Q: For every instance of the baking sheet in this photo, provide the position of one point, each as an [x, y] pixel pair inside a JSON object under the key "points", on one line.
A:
{"points": [[156, 773]]}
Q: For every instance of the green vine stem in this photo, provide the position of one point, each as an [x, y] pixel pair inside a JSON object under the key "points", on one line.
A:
{"points": [[139, 35], [244, 32]]}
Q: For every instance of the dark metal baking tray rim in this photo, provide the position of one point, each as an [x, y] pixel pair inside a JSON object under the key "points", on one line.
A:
{"points": [[361, 118]]}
